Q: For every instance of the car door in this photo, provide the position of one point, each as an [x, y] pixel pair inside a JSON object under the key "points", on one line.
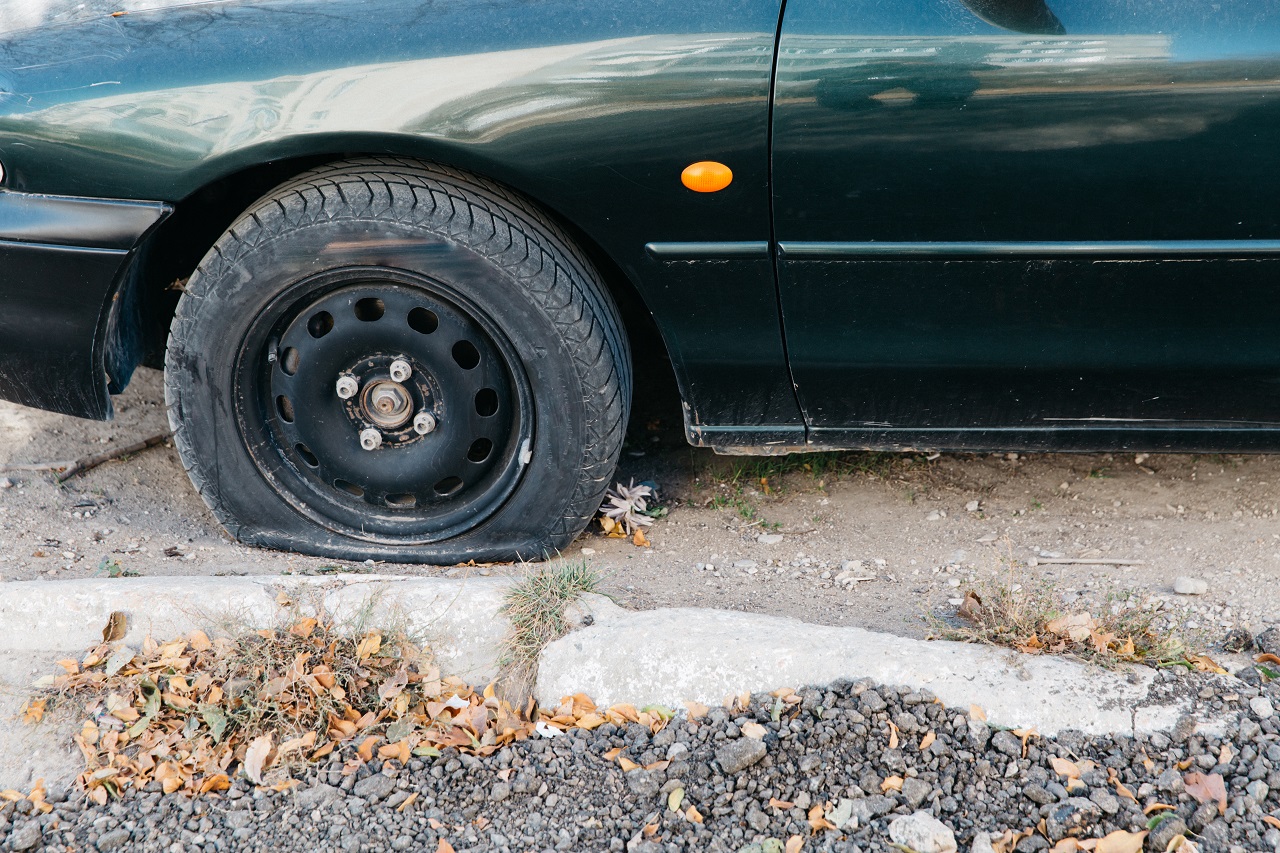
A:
{"points": [[1004, 223]]}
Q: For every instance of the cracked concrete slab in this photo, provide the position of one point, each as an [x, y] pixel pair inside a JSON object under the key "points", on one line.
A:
{"points": [[673, 655], [43, 621]]}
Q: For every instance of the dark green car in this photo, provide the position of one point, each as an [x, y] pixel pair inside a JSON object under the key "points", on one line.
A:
{"points": [[392, 253]]}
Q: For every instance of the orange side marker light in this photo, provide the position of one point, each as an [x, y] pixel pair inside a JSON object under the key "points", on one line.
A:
{"points": [[706, 176]]}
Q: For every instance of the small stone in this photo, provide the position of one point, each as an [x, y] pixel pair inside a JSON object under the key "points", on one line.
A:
{"points": [[499, 792], [769, 538], [1261, 707], [934, 516], [1165, 831], [982, 844], [404, 842], [972, 506], [25, 835], [923, 833], [745, 564], [1190, 586], [316, 796], [915, 792], [1070, 817], [6, 483], [1007, 743], [1037, 794], [113, 840], [1105, 800], [1171, 782], [740, 754], [676, 750], [1258, 790], [645, 783], [1269, 641], [374, 788], [841, 813], [979, 733]]}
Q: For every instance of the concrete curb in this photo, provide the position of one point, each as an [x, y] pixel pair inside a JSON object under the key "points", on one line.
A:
{"points": [[670, 656]]}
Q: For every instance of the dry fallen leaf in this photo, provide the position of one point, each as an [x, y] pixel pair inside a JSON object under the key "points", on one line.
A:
{"points": [[696, 710], [893, 735], [1271, 820], [1205, 789], [794, 844], [369, 645], [817, 821], [971, 608], [1121, 841], [445, 847], [693, 815], [1064, 767], [408, 801], [1157, 807], [927, 740], [893, 783], [775, 803], [627, 764], [753, 730], [255, 758], [117, 626], [1066, 845], [976, 713], [1267, 658], [33, 711]]}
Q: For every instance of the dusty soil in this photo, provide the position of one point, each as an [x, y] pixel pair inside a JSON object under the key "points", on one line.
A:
{"points": [[907, 526]]}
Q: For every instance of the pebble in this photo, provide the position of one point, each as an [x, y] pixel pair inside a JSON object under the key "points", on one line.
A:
{"points": [[1261, 707], [1186, 585], [740, 754], [113, 840], [374, 788], [769, 538], [25, 835], [6, 483], [923, 833]]}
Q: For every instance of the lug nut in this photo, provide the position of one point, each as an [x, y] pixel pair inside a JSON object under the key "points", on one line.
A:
{"points": [[370, 439], [400, 370], [347, 386], [423, 423]]}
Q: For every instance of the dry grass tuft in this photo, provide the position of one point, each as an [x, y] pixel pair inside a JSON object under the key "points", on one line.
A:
{"points": [[536, 603], [1035, 621]]}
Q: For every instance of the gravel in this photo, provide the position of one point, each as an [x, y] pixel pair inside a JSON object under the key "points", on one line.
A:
{"points": [[830, 751]]}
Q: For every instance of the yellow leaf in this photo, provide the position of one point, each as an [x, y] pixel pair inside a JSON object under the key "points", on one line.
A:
{"points": [[817, 822], [893, 783], [693, 815], [794, 843], [927, 741], [365, 749], [117, 626], [216, 782], [168, 785], [590, 721], [199, 641], [1121, 841], [638, 539], [304, 627], [33, 711], [255, 758], [753, 730], [369, 645], [1063, 767], [675, 798]]}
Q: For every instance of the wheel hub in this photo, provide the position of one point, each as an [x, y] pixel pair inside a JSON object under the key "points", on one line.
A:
{"points": [[387, 404]]}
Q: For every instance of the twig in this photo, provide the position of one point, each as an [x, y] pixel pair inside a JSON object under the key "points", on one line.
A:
{"points": [[88, 463], [1087, 561], [37, 466]]}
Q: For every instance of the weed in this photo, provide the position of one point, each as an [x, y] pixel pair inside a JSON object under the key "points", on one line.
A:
{"points": [[535, 605]]}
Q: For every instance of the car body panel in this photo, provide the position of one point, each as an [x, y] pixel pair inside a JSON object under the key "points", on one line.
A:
{"points": [[593, 109], [998, 239]]}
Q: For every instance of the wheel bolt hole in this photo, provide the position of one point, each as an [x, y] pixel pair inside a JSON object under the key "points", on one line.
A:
{"points": [[349, 488], [369, 309], [422, 321], [466, 355], [307, 455], [486, 402], [320, 324], [448, 486], [289, 361], [402, 501], [480, 450], [285, 407]]}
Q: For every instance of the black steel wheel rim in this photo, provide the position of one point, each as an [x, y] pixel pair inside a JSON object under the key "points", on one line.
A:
{"points": [[465, 374]]}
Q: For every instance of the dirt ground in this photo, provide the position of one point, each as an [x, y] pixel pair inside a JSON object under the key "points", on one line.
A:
{"points": [[874, 540]]}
